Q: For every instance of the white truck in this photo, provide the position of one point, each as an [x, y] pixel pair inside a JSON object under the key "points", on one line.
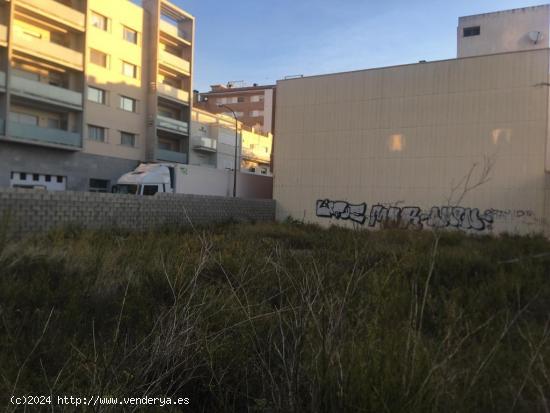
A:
{"points": [[153, 178]]}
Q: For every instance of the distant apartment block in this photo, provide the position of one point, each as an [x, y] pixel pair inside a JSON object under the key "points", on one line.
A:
{"points": [[213, 144], [504, 31], [90, 88], [253, 105]]}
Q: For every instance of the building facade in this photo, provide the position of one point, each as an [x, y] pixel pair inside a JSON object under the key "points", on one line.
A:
{"points": [[504, 31], [89, 88], [451, 144], [213, 144], [254, 105]]}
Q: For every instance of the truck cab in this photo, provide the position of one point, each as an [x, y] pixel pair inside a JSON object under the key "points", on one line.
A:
{"points": [[147, 179]]}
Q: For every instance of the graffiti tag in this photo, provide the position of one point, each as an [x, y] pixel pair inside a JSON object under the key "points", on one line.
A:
{"points": [[409, 216], [342, 210]]}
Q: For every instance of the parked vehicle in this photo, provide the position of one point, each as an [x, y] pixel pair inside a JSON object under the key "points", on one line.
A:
{"points": [[154, 178]]}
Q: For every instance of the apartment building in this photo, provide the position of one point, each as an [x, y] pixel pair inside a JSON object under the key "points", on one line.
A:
{"points": [[213, 144], [458, 144], [89, 88], [253, 105]]}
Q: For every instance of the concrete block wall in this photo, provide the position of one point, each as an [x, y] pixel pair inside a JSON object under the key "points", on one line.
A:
{"points": [[32, 211]]}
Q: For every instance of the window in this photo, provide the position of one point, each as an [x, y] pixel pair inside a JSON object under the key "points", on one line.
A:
{"points": [[99, 21], [55, 79], [59, 179], [167, 112], [59, 38], [23, 176], [256, 113], [26, 74], [96, 133], [129, 70], [48, 178], [129, 35], [240, 99], [35, 177], [257, 98], [96, 95], [24, 118], [54, 123], [472, 31], [150, 189], [127, 139], [170, 81], [223, 101], [99, 185], [165, 146], [98, 58], [127, 104]]}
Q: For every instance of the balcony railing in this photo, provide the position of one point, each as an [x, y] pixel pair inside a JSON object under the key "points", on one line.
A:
{"points": [[173, 93], [174, 31], [47, 93], [204, 144], [173, 125], [171, 156], [3, 34], [2, 80], [249, 153], [174, 62], [48, 50], [57, 11], [44, 135]]}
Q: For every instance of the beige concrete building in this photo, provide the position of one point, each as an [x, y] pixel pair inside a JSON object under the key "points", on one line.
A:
{"points": [[253, 105], [213, 144], [450, 144], [504, 31], [88, 88]]}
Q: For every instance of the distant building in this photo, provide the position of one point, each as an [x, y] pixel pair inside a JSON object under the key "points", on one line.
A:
{"points": [[88, 89], [504, 31], [254, 105], [213, 144]]}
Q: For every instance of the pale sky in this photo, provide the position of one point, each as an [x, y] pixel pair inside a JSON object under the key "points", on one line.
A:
{"points": [[261, 41]]}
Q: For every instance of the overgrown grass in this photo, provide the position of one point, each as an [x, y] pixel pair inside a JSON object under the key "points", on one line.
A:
{"points": [[280, 318]]}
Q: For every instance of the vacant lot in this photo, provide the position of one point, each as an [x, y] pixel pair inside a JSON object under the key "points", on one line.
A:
{"points": [[280, 318]]}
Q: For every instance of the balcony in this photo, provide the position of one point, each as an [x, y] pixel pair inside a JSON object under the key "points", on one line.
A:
{"points": [[40, 135], [56, 11], [3, 35], [173, 93], [174, 62], [174, 31], [46, 93], [51, 51], [248, 153], [203, 144], [2, 81], [171, 156], [173, 125]]}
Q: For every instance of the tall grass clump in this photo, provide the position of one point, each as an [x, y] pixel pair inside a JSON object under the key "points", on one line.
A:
{"points": [[280, 318]]}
